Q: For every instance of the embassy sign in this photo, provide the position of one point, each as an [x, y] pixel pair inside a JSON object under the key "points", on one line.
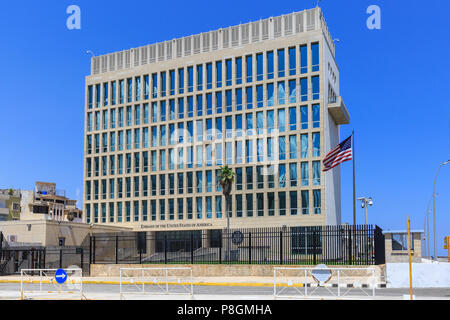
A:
{"points": [[176, 225]]}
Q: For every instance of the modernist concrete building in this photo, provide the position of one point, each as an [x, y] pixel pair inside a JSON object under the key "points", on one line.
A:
{"points": [[262, 97], [48, 203]]}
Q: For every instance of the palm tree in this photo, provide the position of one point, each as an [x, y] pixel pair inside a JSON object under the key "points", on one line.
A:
{"points": [[226, 179]]}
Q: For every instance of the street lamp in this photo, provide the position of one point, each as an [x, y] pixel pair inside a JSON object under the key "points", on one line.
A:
{"points": [[364, 202], [427, 218], [90, 52], [434, 206]]}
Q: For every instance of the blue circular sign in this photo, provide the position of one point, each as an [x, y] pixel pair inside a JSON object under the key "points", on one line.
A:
{"points": [[60, 276]]}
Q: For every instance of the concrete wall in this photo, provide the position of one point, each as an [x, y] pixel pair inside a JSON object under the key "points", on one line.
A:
{"points": [[224, 270], [48, 232], [424, 275]]}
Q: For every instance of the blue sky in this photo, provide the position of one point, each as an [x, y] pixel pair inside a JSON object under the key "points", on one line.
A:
{"points": [[394, 82]]}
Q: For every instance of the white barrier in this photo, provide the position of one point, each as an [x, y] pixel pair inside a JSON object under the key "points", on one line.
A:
{"points": [[156, 281], [42, 284], [338, 282]]}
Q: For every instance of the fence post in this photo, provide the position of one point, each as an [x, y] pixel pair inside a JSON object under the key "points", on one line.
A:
{"points": [[1, 245], [81, 260], [350, 246], [314, 247], [165, 249], [44, 257], [192, 248], [60, 257], [117, 250], [281, 247], [250, 248]]}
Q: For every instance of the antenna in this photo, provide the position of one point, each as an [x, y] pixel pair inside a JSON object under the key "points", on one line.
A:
{"points": [[317, 4]]}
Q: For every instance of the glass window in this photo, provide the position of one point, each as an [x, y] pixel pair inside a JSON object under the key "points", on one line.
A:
{"points": [[249, 97], [281, 63], [292, 60], [270, 149], [137, 81], [238, 70], [199, 77], [172, 109], [238, 125], [282, 203], [293, 202], [249, 68], [304, 117], [305, 202], [219, 102], [292, 91], [270, 95], [172, 82], [249, 202], [303, 59], [249, 177], [238, 206], [304, 89], [198, 200], [315, 88], [316, 115], [209, 76], [154, 85], [190, 100], [218, 207], [209, 103], [162, 209], [199, 151], [229, 100], [249, 124], [208, 207], [219, 74], [259, 150], [238, 151], [259, 123], [218, 128], [305, 173], [293, 147], [315, 56], [259, 67], [180, 108], [270, 121], [316, 173], [189, 208], [304, 141], [316, 144], [238, 99], [282, 148], [199, 105], [293, 174], [282, 175], [229, 153], [293, 118], [281, 93], [181, 80], [249, 150], [281, 120], [270, 65], [190, 79], [228, 71], [259, 96], [180, 208]]}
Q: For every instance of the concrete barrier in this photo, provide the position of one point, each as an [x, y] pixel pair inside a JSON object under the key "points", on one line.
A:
{"points": [[424, 275], [214, 270]]}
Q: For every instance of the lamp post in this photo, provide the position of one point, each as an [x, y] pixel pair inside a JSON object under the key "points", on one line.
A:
{"points": [[427, 217], [434, 206], [364, 202]]}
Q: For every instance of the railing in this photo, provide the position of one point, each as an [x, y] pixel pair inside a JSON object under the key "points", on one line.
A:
{"points": [[333, 245]]}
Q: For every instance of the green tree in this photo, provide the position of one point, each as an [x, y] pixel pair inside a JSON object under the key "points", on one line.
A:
{"points": [[226, 179]]}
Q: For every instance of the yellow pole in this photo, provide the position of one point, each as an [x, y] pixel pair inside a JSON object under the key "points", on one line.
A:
{"points": [[448, 247], [409, 254]]}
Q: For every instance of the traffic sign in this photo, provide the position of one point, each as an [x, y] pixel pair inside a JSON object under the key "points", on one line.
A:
{"points": [[321, 273], [60, 276], [447, 242]]}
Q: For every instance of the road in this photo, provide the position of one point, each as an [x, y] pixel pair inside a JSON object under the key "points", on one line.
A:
{"points": [[112, 291]]}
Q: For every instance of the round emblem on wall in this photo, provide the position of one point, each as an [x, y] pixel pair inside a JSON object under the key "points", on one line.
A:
{"points": [[237, 237]]}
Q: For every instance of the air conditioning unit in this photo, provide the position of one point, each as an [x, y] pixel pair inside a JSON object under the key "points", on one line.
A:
{"points": [[11, 238]]}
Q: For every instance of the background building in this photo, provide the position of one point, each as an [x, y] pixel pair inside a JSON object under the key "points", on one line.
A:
{"points": [[261, 97], [9, 204]]}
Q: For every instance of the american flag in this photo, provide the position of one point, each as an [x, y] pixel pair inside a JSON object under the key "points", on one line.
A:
{"points": [[343, 152]]}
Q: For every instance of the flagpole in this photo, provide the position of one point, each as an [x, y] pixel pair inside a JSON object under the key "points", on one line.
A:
{"points": [[354, 188]]}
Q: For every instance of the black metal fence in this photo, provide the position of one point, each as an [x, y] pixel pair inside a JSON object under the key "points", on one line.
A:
{"points": [[332, 245], [13, 258]]}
